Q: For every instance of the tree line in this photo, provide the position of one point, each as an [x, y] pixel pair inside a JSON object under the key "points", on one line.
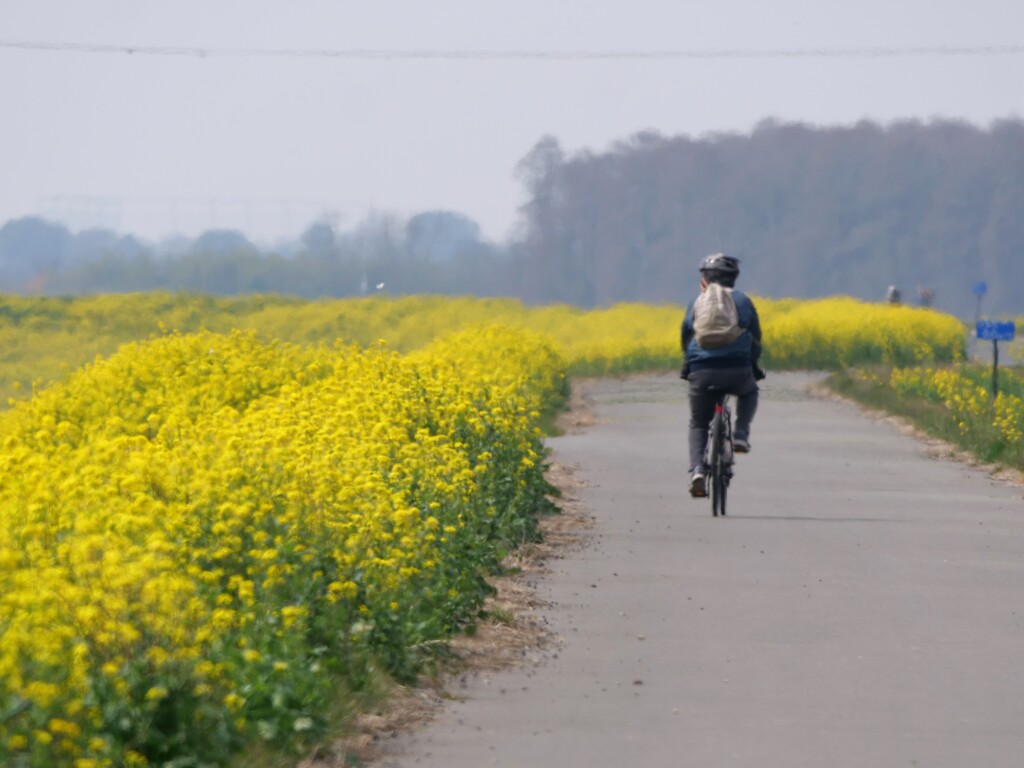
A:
{"points": [[435, 252], [934, 209], [931, 208]]}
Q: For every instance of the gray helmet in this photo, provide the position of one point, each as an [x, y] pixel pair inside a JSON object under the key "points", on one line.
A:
{"points": [[720, 268]]}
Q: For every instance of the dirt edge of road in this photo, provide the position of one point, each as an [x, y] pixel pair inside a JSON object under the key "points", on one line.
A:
{"points": [[516, 633]]}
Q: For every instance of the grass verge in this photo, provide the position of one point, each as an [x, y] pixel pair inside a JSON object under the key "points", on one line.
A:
{"points": [[971, 430]]}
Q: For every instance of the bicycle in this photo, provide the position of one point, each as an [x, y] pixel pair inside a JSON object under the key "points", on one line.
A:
{"points": [[718, 459]]}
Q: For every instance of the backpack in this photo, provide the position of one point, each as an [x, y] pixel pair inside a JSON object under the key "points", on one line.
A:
{"points": [[716, 321]]}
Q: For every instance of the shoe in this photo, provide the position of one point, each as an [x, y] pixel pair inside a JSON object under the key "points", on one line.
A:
{"points": [[741, 445], [697, 489]]}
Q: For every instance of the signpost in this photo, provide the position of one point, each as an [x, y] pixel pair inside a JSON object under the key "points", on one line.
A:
{"points": [[996, 331]]}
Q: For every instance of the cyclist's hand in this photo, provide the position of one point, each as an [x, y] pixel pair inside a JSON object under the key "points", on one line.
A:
{"points": [[758, 373], [685, 373]]}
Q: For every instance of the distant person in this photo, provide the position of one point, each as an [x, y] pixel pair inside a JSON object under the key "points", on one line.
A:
{"points": [[925, 296], [893, 295], [729, 364]]}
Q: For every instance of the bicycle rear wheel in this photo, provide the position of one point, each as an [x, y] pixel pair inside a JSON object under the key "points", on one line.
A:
{"points": [[717, 470]]}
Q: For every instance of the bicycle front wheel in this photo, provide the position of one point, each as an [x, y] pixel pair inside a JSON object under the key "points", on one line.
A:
{"points": [[717, 468], [719, 486]]}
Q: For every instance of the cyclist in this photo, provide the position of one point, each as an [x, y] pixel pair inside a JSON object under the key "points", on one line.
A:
{"points": [[732, 369]]}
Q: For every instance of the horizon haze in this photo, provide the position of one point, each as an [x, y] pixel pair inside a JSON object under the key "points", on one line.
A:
{"points": [[154, 119]]}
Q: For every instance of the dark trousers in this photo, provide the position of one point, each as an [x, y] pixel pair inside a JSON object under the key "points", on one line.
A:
{"points": [[706, 386]]}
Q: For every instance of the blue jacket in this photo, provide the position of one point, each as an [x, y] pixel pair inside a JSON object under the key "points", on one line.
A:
{"points": [[746, 350]]}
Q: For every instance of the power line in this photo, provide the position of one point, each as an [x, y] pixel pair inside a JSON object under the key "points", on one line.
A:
{"points": [[862, 52]]}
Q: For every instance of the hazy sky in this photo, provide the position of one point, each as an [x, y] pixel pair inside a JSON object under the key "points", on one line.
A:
{"points": [[151, 142]]}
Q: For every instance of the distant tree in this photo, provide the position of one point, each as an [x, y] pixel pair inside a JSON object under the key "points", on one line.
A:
{"points": [[31, 247], [319, 240], [92, 245], [440, 236], [551, 268], [132, 247], [1001, 237], [222, 241]]}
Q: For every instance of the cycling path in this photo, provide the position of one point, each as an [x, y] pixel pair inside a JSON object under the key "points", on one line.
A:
{"points": [[861, 605]]}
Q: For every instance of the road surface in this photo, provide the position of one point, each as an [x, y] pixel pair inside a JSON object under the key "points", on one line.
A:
{"points": [[862, 605]]}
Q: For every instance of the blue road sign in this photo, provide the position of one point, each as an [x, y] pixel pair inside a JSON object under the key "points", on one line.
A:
{"points": [[994, 331], [980, 288]]}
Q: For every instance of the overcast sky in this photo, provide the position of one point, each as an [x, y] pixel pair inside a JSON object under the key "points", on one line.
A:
{"points": [[152, 142]]}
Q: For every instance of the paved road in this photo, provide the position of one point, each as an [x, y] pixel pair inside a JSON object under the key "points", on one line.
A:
{"points": [[862, 605]]}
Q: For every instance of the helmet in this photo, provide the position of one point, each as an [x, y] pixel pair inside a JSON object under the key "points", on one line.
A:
{"points": [[720, 268]]}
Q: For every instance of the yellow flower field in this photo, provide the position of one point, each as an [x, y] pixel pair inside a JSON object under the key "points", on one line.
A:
{"points": [[841, 332], [45, 338], [215, 511], [202, 534], [968, 400]]}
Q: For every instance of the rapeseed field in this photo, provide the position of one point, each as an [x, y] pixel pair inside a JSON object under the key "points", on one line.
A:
{"points": [[45, 338], [201, 534], [217, 513]]}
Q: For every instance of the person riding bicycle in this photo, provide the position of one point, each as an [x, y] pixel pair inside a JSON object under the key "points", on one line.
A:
{"points": [[731, 369]]}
